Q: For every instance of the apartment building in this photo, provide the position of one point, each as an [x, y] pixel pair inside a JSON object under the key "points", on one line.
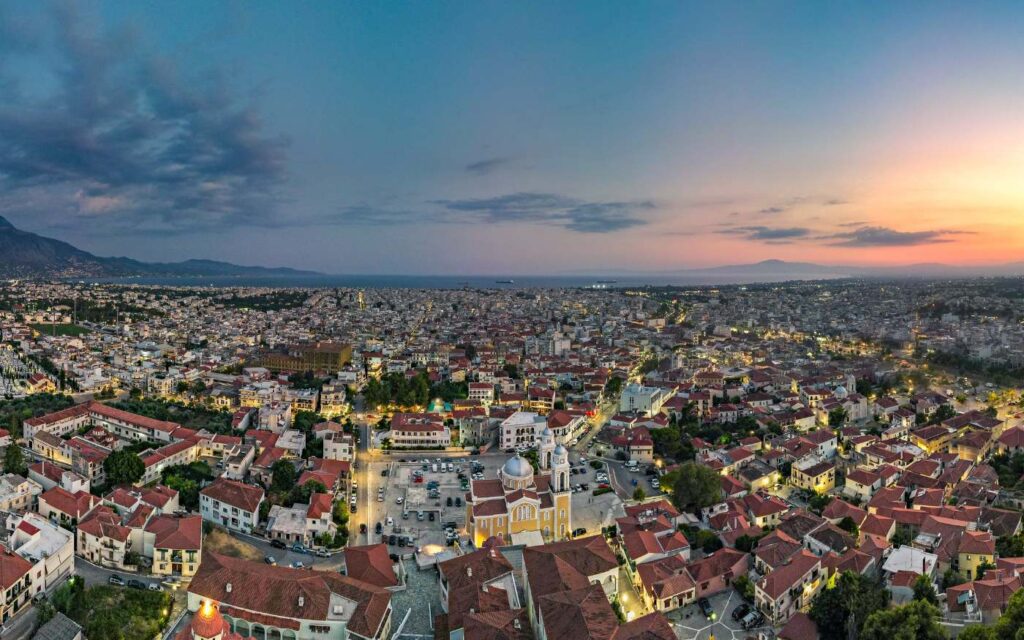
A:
{"points": [[231, 504]]}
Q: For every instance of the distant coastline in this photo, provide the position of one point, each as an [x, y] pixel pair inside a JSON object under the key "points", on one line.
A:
{"points": [[408, 282]]}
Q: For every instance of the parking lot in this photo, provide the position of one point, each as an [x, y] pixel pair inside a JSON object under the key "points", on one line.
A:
{"points": [[690, 623], [419, 510]]}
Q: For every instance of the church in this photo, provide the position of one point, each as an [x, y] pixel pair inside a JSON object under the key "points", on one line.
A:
{"points": [[521, 507]]}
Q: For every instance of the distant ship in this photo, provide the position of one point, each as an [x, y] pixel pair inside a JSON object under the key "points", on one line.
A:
{"points": [[505, 281], [607, 282]]}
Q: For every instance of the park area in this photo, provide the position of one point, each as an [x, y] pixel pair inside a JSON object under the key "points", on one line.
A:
{"points": [[112, 613]]}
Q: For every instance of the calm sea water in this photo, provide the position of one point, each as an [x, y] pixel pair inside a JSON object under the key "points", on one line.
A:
{"points": [[407, 282]]}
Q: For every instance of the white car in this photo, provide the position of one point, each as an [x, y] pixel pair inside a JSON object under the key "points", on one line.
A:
{"points": [[390, 521], [399, 500]]}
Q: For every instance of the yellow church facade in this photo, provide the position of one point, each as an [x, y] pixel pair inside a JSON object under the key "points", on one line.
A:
{"points": [[520, 506]]}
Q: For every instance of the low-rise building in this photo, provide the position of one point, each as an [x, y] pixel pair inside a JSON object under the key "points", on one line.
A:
{"points": [[231, 504]]}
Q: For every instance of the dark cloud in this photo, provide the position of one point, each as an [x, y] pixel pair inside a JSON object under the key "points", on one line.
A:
{"points": [[486, 166], [124, 142], [835, 201], [771, 210], [855, 223], [554, 209], [774, 235], [886, 237]]}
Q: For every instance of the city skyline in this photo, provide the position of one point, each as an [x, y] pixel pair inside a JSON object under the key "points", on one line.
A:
{"points": [[516, 139]]}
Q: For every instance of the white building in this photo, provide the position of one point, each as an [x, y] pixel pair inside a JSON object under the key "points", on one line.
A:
{"points": [[643, 400], [50, 549], [521, 428], [338, 446], [231, 504]]}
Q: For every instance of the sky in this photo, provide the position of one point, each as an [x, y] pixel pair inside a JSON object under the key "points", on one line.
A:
{"points": [[517, 137]]}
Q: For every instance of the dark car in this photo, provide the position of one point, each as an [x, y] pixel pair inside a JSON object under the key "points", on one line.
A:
{"points": [[741, 611], [752, 620], [278, 544], [579, 532], [298, 548], [458, 501], [705, 608], [136, 584], [430, 516], [448, 502], [362, 527], [378, 528], [392, 540], [116, 580]]}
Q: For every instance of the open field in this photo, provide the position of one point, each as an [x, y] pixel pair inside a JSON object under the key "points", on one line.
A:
{"points": [[224, 543], [60, 329]]}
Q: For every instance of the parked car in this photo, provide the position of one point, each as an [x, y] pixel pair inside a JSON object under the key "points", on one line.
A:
{"points": [[322, 553], [278, 544], [752, 620], [706, 609], [392, 539], [297, 565], [154, 586], [390, 521], [430, 516], [458, 501], [579, 531], [399, 500], [116, 580], [741, 611], [271, 560], [362, 527], [298, 548], [448, 502], [136, 584]]}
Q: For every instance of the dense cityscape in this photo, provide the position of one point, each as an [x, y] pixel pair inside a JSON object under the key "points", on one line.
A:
{"points": [[793, 460]]}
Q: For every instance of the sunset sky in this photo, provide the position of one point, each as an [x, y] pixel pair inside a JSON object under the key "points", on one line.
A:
{"points": [[517, 137]]}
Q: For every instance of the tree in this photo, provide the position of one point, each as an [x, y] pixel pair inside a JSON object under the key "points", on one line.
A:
{"points": [[339, 514], [283, 476], [840, 611], [181, 387], [14, 460], [198, 387], [123, 467], [924, 590], [746, 543], [639, 494], [818, 502], [1012, 619], [977, 632], [952, 578], [837, 417], [847, 524], [613, 387], [696, 487], [918, 620], [745, 587]]}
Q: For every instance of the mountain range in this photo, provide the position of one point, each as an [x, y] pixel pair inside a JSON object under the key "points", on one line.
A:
{"points": [[24, 254], [28, 255]]}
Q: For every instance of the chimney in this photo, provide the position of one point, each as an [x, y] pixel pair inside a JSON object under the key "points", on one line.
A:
{"points": [[515, 623], [302, 601], [469, 572], [227, 587]]}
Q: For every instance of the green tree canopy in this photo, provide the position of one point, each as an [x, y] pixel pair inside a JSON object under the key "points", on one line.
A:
{"points": [[924, 590], [918, 620], [123, 467], [847, 605], [284, 476], [696, 487], [14, 460]]}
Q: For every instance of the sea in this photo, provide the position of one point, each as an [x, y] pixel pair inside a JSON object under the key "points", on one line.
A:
{"points": [[409, 281]]}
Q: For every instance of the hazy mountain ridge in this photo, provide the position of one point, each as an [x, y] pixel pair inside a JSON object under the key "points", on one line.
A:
{"points": [[28, 255]]}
